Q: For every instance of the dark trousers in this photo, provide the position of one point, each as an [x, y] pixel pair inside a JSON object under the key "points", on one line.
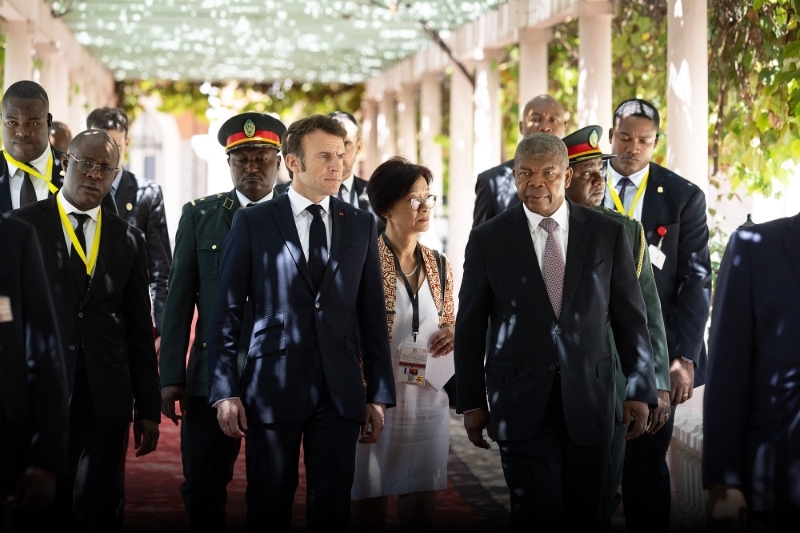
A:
{"points": [[208, 460], [645, 480], [15, 442], [611, 496], [273, 452], [554, 482]]}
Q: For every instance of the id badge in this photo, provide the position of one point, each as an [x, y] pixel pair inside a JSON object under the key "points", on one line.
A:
{"points": [[411, 365], [657, 257], [5, 309]]}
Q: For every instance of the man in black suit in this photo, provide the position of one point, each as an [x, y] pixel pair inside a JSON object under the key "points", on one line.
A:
{"points": [[751, 410], [672, 211], [495, 190], [319, 364], [140, 203], [33, 384], [96, 265], [549, 275]]}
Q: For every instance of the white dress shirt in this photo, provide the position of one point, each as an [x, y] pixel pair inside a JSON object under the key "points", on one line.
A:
{"points": [[244, 200], [539, 235], [630, 192], [89, 227], [16, 174], [302, 218], [347, 193]]}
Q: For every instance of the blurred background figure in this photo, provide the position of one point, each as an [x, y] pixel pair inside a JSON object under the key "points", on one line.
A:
{"points": [[60, 136]]}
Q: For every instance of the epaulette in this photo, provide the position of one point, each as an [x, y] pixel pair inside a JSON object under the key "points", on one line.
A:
{"points": [[613, 212], [208, 199]]}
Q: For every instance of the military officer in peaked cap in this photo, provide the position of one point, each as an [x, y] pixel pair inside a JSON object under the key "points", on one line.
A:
{"points": [[587, 189], [252, 143]]}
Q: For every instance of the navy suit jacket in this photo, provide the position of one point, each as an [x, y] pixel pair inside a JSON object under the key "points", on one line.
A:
{"points": [[503, 283], [302, 340], [752, 397], [495, 191]]}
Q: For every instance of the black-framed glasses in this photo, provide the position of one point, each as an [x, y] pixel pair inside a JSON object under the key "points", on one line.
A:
{"points": [[416, 203], [85, 166]]}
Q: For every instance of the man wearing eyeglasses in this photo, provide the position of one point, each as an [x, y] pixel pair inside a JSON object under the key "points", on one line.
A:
{"points": [[96, 265], [252, 142]]}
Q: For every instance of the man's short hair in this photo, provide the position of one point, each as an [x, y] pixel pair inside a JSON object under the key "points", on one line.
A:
{"points": [[636, 107], [27, 90], [108, 118], [293, 140], [344, 116], [541, 143]]}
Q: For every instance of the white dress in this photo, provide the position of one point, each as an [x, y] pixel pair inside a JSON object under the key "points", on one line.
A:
{"points": [[411, 453]]}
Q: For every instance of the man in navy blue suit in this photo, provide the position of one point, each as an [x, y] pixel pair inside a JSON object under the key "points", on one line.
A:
{"points": [[751, 446], [319, 365]]}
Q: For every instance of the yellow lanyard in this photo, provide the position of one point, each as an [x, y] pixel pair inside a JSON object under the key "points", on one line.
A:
{"points": [[33, 172], [74, 238], [615, 195]]}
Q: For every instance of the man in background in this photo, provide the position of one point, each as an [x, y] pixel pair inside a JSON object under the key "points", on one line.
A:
{"points": [[60, 136]]}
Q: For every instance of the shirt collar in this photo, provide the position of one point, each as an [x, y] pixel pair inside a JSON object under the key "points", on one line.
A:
{"points": [[300, 202], [115, 185], [40, 163], [244, 200], [636, 177], [69, 208], [561, 216], [348, 183]]}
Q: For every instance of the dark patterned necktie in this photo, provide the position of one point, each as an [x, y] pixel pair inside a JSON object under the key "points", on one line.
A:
{"points": [[78, 266], [317, 246], [553, 266], [342, 190], [27, 194], [625, 182], [250, 204]]}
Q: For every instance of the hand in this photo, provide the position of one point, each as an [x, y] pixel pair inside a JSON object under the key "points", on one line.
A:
{"points": [[158, 346], [681, 376], [726, 508], [372, 429], [659, 415], [36, 489], [639, 411], [231, 417], [145, 436], [442, 343], [169, 395], [475, 422]]}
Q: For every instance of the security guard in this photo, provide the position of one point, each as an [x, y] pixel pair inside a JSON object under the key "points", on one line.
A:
{"points": [[252, 143], [587, 189]]}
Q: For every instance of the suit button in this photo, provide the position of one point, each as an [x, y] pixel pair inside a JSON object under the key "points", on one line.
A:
{"points": [[71, 347], [558, 331], [204, 345], [552, 367], [316, 305], [213, 246], [80, 315]]}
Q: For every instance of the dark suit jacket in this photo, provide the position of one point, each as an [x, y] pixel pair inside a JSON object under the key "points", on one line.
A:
{"points": [[33, 384], [495, 192], [112, 323], [199, 244], [301, 339], [684, 284], [502, 282], [752, 398], [141, 204]]}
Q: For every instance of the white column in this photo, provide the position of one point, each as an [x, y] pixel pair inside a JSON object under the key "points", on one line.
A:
{"points": [[594, 64], [369, 134], [77, 101], [55, 80], [430, 151], [386, 142], [533, 64], [687, 90], [19, 53], [461, 193], [487, 118], [407, 123]]}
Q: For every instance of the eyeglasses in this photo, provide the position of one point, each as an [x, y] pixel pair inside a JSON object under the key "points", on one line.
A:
{"points": [[85, 167], [416, 203]]}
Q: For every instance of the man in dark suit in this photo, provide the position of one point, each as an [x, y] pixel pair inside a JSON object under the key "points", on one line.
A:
{"points": [[319, 365], [140, 203], [751, 410], [208, 455], [549, 275], [495, 190], [672, 211], [60, 136], [33, 384], [96, 265]]}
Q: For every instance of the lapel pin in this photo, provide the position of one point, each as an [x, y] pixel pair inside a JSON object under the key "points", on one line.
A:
{"points": [[341, 214], [660, 189], [129, 206]]}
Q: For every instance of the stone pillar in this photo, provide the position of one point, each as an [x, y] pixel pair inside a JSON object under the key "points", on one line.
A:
{"points": [[55, 80], [533, 64], [385, 123], [461, 193], [687, 90], [19, 53], [594, 64], [487, 118], [430, 151], [369, 134], [407, 123], [77, 101]]}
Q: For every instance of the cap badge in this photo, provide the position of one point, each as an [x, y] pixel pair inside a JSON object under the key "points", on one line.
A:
{"points": [[593, 139], [249, 128]]}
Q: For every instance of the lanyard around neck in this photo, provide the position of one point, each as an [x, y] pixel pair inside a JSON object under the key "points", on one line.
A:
{"points": [[33, 172], [73, 238], [615, 196], [411, 294]]}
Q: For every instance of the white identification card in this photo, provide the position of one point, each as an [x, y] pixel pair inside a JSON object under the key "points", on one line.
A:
{"points": [[657, 257], [5, 309], [411, 365]]}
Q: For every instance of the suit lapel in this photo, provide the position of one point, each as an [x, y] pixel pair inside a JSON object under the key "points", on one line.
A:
{"points": [[229, 207], [577, 245], [360, 187], [5, 186], [791, 239], [284, 218], [55, 176], [519, 234], [126, 194], [339, 221], [653, 200], [58, 243], [111, 234]]}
